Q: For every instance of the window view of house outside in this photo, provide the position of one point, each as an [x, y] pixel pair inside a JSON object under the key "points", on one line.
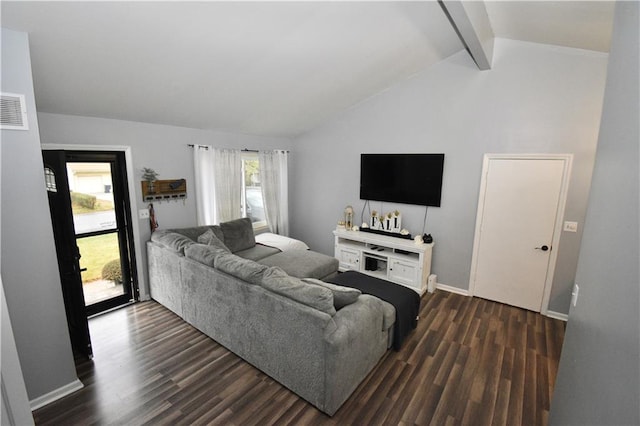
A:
{"points": [[91, 190], [253, 207]]}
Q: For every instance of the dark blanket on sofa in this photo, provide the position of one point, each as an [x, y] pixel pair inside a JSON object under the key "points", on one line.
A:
{"points": [[405, 300]]}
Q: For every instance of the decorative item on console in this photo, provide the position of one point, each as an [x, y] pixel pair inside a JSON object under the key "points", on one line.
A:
{"points": [[395, 221], [385, 224], [348, 218], [390, 222], [375, 222]]}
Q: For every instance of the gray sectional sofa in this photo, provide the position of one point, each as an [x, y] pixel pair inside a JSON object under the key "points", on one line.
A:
{"points": [[271, 308]]}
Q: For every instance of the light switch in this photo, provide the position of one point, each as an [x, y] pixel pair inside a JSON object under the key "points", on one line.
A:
{"points": [[571, 226], [143, 214]]}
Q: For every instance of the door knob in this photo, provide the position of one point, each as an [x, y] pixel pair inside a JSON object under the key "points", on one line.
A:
{"points": [[543, 248]]}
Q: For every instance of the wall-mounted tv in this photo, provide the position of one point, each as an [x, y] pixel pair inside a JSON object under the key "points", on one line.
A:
{"points": [[402, 178]]}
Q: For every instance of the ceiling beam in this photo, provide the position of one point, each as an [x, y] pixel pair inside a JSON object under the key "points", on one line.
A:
{"points": [[471, 22]]}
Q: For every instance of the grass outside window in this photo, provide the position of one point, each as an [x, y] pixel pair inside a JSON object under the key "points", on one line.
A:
{"points": [[97, 251]]}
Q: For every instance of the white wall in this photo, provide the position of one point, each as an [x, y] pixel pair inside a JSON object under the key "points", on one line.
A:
{"points": [[29, 266], [536, 99], [162, 148], [598, 378]]}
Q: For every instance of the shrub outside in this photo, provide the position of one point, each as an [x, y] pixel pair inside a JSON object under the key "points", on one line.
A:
{"points": [[111, 271], [84, 200]]}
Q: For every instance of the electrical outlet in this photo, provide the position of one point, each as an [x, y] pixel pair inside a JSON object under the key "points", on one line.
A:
{"points": [[143, 214], [574, 295], [571, 226]]}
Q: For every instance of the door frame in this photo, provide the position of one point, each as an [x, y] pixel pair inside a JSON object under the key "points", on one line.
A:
{"points": [[143, 293], [557, 229]]}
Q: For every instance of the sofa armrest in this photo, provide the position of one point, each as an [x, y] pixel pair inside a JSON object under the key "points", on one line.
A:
{"points": [[353, 348], [165, 281]]}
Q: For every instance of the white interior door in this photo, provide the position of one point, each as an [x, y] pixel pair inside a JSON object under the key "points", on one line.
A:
{"points": [[519, 209]]}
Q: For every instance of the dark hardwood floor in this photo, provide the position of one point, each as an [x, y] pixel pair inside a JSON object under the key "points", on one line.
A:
{"points": [[469, 362]]}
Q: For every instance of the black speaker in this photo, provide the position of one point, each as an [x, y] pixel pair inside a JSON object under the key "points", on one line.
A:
{"points": [[370, 264]]}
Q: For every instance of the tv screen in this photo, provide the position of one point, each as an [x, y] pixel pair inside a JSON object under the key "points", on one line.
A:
{"points": [[402, 178]]}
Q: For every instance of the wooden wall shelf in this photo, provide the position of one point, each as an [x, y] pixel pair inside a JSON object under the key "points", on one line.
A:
{"points": [[169, 189]]}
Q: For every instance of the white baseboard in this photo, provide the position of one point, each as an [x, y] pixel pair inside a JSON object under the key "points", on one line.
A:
{"points": [[463, 292], [452, 289], [558, 315], [55, 395]]}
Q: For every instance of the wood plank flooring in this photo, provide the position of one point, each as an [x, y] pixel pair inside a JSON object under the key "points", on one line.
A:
{"points": [[469, 362]]}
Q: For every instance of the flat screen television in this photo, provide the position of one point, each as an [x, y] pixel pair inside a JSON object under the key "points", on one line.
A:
{"points": [[402, 178]]}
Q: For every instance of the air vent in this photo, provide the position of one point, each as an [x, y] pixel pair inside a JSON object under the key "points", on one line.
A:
{"points": [[13, 112]]}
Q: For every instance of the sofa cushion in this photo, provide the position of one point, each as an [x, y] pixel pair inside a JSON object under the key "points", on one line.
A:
{"points": [[278, 281], [238, 234], [195, 231], [211, 239], [257, 252], [246, 270], [172, 240], [342, 296], [303, 263], [203, 253]]}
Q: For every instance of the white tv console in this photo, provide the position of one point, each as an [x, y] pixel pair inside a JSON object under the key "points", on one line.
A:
{"points": [[393, 259]]}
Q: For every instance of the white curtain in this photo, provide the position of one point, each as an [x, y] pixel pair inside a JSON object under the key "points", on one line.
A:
{"points": [[218, 184], [275, 189]]}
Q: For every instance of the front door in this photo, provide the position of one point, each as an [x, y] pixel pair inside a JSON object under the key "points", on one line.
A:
{"points": [[516, 225], [91, 219]]}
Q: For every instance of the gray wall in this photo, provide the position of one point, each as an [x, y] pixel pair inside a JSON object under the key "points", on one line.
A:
{"points": [[29, 267], [536, 99], [599, 377], [162, 148]]}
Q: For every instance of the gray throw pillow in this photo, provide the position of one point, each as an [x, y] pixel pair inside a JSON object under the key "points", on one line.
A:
{"points": [[171, 240], [246, 270], [195, 231], [342, 296], [238, 234], [278, 281], [203, 253], [209, 238]]}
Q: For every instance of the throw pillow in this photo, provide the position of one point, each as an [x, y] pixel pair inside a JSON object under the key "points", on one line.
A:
{"points": [[246, 270], [209, 238], [314, 296], [203, 253], [172, 240], [342, 296], [238, 234], [195, 231]]}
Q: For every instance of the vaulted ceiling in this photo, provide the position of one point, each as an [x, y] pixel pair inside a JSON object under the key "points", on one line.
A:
{"points": [[268, 68]]}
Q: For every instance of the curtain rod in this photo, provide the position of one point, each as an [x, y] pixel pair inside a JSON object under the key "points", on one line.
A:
{"points": [[190, 145]]}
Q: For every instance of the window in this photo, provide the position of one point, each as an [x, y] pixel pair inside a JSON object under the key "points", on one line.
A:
{"points": [[252, 202]]}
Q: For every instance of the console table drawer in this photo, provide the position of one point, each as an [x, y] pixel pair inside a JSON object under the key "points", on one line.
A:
{"points": [[349, 259], [403, 272]]}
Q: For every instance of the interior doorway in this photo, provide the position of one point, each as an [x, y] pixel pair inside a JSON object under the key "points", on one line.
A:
{"points": [[520, 211], [91, 216]]}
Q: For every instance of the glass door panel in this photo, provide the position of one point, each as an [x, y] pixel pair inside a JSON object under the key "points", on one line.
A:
{"points": [[98, 235], [101, 267], [91, 189]]}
